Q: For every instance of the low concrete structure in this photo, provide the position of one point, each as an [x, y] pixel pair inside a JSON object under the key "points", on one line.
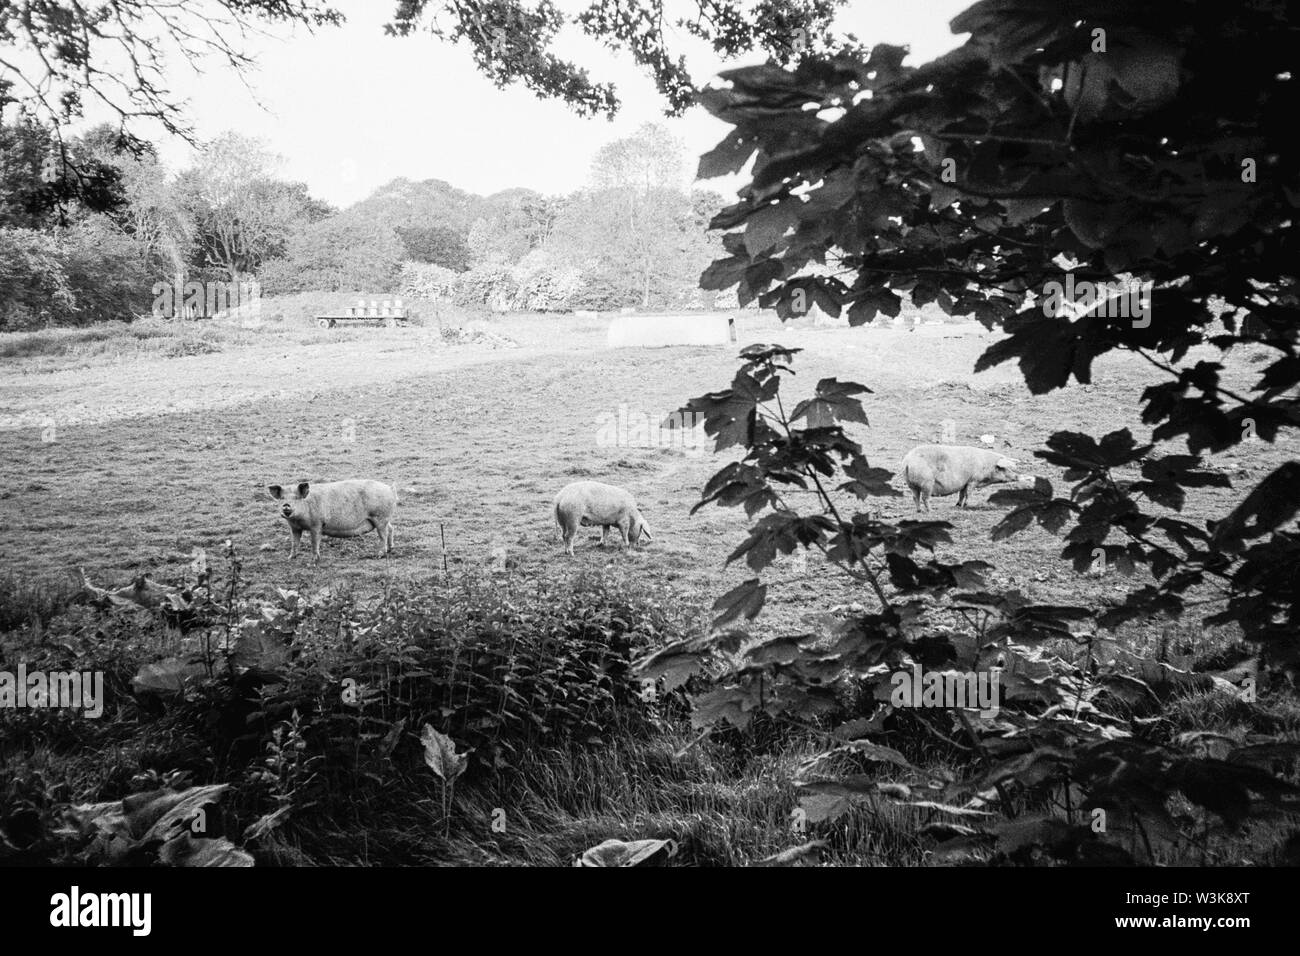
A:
{"points": [[682, 328]]}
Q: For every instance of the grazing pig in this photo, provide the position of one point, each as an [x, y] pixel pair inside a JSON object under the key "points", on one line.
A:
{"points": [[954, 469], [339, 509], [593, 502]]}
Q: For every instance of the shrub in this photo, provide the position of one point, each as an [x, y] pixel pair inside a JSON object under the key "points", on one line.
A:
{"points": [[34, 289], [541, 287], [600, 293], [89, 272], [427, 281], [337, 254], [106, 271], [485, 285]]}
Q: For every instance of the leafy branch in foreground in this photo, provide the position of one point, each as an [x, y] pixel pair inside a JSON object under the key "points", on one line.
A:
{"points": [[1093, 149], [1089, 178], [1066, 758]]}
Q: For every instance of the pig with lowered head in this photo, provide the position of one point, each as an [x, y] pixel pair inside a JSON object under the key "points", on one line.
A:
{"points": [[594, 502], [338, 509], [955, 469]]}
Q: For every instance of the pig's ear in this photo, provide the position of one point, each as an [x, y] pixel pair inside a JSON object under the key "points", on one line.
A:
{"points": [[275, 490], [303, 486], [1007, 462]]}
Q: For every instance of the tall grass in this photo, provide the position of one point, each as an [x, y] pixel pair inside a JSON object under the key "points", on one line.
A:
{"points": [[25, 603], [143, 338]]}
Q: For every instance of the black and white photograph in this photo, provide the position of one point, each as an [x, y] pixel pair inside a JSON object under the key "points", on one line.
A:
{"points": [[674, 434]]}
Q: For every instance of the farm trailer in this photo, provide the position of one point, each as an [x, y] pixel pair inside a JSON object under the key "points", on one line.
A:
{"points": [[388, 313]]}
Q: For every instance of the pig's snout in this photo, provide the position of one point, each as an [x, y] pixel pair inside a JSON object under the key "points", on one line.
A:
{"points": [[286, 510]]}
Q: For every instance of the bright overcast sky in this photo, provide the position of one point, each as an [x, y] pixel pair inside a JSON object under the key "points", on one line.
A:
{"points": [[350, 109]]}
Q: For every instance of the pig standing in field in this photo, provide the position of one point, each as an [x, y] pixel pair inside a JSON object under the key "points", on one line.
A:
{"points": [[593, 502], [954, 469], [339, 509]]}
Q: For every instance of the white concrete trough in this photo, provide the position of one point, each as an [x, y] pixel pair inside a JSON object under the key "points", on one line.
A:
{"points": [[682, 328]]}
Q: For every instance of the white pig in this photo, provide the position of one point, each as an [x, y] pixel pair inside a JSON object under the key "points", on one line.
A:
{"points": [[592, 503], [955, 469], [339, 509]]}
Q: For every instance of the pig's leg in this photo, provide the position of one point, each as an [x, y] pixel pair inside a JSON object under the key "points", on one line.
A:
{"points": [[382, 528], [315, 543], [962, 495], [916, 496], [295, 541], [624, 525], [604, 530]]}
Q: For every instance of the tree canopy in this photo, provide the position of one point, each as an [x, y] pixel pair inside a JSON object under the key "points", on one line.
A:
{"points": [[58, 55], [64, 55], [512, 41]]}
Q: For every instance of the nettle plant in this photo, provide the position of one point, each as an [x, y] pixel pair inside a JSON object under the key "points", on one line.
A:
{"points": [[1089, 148]]}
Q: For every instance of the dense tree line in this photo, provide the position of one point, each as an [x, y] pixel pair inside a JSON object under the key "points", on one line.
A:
{"points": [[88, 227]]}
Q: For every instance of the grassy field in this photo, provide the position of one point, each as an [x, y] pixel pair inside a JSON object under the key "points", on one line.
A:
{"points": [[478, 440], [131, 466]]}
